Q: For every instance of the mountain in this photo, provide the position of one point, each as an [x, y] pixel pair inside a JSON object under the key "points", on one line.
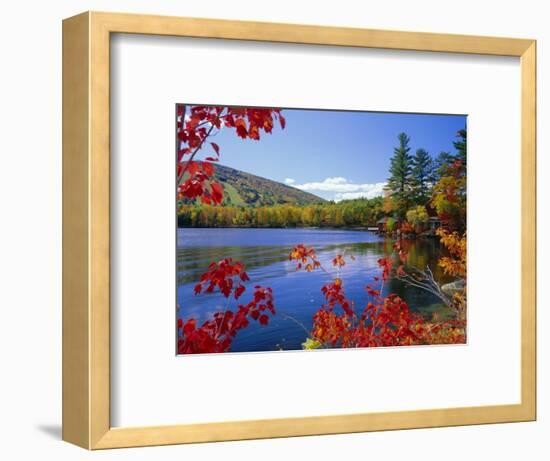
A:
{"points": [[245, 189]]}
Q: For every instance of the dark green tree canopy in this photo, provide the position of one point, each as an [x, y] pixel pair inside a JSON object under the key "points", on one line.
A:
{"points": [[461, 146], [400, 166], [421, 176], [399, 182], [440, 164]]}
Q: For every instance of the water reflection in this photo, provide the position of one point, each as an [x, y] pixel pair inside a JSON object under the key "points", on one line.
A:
{"points": [[297, 294]]}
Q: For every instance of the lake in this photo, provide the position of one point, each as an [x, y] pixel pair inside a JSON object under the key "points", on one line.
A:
{"points": [[297, 294]]}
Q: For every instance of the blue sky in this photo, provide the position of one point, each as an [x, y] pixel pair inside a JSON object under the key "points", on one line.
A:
{"points": [[336, 154]]}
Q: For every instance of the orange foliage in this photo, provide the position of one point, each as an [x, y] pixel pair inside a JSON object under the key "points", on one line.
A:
{"points": [[455, 264], [406, 227], [305, 256], [383, 321]]}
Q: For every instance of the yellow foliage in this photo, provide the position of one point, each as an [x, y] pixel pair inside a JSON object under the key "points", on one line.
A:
{"points": [[417, 215], [455, 264], [446, 333], [311, 344], [449, 199]]}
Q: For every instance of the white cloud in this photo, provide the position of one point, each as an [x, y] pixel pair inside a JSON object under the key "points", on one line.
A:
{"points": [[344, 189], [377, 190], [337, 180], [289, 181]]}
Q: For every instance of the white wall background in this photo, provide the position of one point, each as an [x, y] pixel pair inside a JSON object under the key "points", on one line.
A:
{"points": [[458, 376], [30, 231]]}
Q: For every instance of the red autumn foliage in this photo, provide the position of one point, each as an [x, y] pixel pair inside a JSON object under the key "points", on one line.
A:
{"points": [[335, 296], [305, 256], [216, 334], [339, 261], [195, 124], [222, 274], [386, 266], [383, 321], [400, 249], [406, 227]]}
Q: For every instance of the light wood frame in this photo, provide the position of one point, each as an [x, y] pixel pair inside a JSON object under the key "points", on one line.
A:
{"points": [[86, 233]]}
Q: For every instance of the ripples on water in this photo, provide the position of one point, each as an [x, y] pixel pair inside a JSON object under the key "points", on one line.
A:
{"points": [[265, 252]]}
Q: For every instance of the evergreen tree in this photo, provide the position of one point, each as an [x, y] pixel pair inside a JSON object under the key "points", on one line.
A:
{"points": [[449, 192], [441, 163], [445, 159], [399, 182], [421, 176], [461, 146]]}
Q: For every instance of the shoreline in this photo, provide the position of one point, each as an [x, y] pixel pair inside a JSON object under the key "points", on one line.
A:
{"points": [[355, 229]]}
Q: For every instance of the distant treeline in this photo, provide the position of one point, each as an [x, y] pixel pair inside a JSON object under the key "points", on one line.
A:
{"points": [[347, 213]]}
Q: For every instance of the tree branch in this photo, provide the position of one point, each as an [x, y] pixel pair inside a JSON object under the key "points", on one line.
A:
{"points": [[297, 322], [429, 285], [180, 177]]}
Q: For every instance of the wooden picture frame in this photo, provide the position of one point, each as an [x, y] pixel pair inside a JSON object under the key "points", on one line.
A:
{"points": [[86, 230]]}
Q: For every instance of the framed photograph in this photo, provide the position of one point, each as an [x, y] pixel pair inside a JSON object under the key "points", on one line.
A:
{"points": [[307, 222], [276, 230]]}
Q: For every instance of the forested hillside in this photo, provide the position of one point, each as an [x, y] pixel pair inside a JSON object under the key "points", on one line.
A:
{"points": [[245, 189]]}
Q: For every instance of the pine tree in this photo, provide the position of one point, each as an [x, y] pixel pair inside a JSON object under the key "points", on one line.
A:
{"points": [[441, 163], [461, 146], [421, 176], [399, 182], [449, 192], [445, 159]]}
